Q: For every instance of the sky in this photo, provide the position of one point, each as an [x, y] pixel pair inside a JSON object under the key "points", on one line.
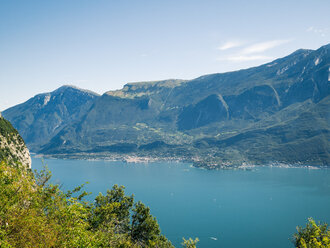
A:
{"points": [[101, 45]]}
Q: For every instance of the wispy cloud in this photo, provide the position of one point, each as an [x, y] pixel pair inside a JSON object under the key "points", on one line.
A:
{"points": [[230, 44], [263, 46], [250, 52], [244, 58], [319, 31]]}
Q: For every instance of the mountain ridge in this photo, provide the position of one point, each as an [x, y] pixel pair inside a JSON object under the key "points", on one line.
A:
{"points": [[174, 118], [42, 116]]}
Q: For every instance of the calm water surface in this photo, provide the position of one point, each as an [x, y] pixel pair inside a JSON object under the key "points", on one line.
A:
{"points": [[236, 209]]}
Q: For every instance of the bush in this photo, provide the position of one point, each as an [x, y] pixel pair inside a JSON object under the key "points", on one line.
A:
{"points": [[312, 236], [36, 213]]}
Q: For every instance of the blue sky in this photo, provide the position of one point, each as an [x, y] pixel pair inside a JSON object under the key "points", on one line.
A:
{"points": [[101, 45]]}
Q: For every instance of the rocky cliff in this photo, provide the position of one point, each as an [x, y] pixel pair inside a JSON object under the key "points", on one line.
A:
{"points": [[12, 146]]}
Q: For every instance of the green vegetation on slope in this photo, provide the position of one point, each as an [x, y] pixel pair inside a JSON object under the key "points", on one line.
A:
{"points": [[6, 129], [36, 213]]}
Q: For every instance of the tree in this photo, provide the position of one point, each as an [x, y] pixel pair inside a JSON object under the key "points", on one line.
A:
{"points": [[312, 236], [144, 225], [145, 230], [113, 209], [190, 243], [36, 213]]}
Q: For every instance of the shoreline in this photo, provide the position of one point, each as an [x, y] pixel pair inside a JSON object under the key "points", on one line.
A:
{"points": [[195, 162]]}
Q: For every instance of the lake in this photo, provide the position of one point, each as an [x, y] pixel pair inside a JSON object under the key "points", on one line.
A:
{"points": [[233, 208]]}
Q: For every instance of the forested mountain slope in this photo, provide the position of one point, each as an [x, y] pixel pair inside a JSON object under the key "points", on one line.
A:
{"points": [[276, 112]]}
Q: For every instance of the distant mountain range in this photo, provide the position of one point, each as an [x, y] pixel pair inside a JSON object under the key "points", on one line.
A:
{"points": [[276, 112]]}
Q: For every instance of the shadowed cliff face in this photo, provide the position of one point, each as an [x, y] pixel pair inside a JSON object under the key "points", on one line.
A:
{"points": [[211, 109], [274, 112], [12, 146]]}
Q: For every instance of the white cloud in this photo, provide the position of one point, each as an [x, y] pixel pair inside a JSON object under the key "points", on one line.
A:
{"points": [[320, 31], [244, 58], [263, 46], [252, 52], [229, 45]]}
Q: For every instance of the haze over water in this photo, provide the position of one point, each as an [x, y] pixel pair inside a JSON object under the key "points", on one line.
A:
{"points": [[251, 209]]}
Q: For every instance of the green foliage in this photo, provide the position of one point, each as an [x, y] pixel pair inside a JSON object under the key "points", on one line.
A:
{"points": [[6, 129], [312, 236], [113, 208], [36, 213], [190, 243], [8, 134], [144, 227]]}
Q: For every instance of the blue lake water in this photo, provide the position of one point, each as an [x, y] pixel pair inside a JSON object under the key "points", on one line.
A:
{"points": [[229, 209]]}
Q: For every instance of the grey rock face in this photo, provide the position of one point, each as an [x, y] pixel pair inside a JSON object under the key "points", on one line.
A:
{"points": [[12, 146]]}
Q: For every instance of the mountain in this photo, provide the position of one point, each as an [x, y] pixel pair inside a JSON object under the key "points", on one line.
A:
{"points": [[276, 112], [12, 146], [43, 116]]}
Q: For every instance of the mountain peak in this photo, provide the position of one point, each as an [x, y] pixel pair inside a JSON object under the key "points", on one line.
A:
{"points": [[327, 46], [57, 108], [73, 87], [302, 51], [324, 48]]}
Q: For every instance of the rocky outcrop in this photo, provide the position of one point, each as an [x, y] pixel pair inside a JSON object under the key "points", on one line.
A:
{"points": [[12, 147]]}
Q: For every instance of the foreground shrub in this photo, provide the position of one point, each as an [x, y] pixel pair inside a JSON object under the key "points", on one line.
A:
{"points": [[312, 236], [36, 213]]}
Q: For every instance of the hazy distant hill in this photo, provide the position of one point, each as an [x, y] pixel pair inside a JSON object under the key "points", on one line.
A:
{"points": [[43, 116], [274, 112]]}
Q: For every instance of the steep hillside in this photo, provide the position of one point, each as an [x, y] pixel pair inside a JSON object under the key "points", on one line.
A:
{"points": [[277, 112], [43, 116], [12, 146]]}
